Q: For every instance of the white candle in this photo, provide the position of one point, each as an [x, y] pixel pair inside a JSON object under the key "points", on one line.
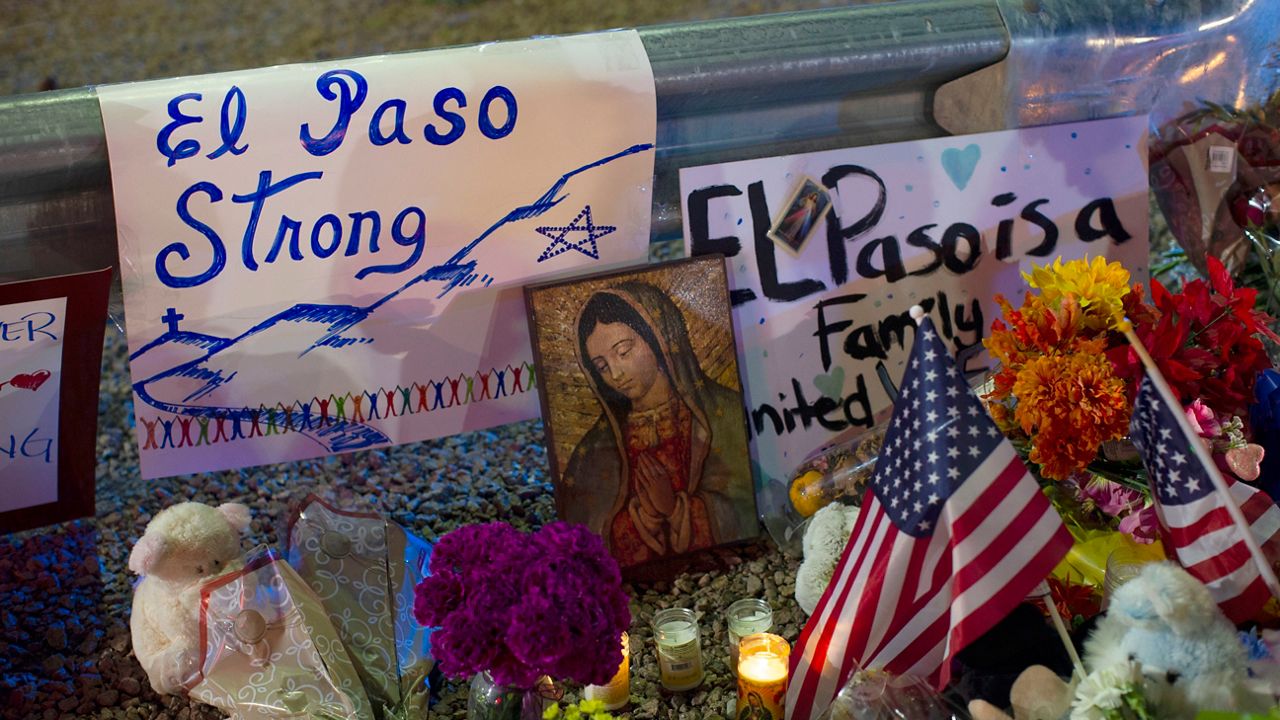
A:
{"points": [[675, 632]]}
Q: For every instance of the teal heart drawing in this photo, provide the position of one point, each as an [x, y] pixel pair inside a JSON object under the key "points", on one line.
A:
{"points": [[832, 384], [960, 164]]}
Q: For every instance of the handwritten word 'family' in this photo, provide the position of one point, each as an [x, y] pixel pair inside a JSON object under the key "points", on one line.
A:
{"points": [[495, 118], [28, 329]]}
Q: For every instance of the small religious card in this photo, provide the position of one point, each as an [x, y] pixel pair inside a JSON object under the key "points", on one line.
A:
{"points": [[50, 361], [799, 217], [643, 408]]}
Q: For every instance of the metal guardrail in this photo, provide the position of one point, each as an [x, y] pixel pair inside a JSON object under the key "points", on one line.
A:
{"points": [[727, 90]]}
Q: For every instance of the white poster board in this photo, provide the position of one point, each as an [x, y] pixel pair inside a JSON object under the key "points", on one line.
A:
{"points": [[823, 331], [31, 335], [327, 257]]}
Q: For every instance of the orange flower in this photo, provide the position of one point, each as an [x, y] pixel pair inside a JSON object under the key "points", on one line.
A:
{"points": [[1069, 405]]}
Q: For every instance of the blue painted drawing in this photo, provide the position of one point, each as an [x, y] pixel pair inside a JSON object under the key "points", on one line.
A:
{"points": [[180, 388], [587, 245]]}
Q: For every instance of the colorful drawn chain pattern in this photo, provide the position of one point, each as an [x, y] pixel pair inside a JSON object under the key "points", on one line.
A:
{"points": [[165, 431]]}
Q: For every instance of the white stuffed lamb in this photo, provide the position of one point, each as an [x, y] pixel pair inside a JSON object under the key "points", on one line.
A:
{"points": [[183, 546]]}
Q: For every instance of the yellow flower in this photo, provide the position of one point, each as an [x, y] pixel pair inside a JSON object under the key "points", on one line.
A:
{"points": [[1098, 286]]}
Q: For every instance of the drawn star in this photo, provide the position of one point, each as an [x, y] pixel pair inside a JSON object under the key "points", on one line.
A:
{"points": [[587, 246]]}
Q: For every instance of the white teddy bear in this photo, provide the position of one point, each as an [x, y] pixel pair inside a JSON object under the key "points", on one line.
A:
{"points": [[824, 541], [183, 546]]}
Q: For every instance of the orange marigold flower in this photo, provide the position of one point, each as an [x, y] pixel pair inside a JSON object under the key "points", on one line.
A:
{"points": [[1069, 405]]}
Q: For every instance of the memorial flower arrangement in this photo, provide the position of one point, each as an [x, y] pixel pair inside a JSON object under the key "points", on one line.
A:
{"points": [[1216, 176], [522, 606], [1067, 378]]}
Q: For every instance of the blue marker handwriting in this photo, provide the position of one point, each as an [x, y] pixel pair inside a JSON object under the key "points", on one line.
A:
{"points": [[28, 329], [323, 236], [333, 322], [30, 447]]}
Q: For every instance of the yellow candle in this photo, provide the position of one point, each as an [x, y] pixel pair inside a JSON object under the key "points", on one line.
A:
{"points": [[617, 693], [762, 677]]}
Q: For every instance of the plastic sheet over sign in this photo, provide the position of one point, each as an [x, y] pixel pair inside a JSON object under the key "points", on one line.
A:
{"points": [[1073, 60]]}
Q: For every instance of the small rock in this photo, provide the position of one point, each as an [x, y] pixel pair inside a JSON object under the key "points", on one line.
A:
{"points": [[56, 637], [107, 698], [129, 685], [754, 585]]}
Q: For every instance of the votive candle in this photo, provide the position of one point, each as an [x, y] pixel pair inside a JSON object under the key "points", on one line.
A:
{"points": [[743, 618], [617, 693], [675, 632], [762, 676]]}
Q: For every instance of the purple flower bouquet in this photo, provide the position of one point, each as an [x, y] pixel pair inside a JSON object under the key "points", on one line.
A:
{"points": [[521, 606]]}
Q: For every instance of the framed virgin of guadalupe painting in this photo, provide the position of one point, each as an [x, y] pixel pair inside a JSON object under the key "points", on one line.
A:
{"points": [[643, 408]]}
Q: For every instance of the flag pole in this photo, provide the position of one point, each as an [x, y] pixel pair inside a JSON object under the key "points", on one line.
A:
{"points": [[1202, 454], [1061, 627]]}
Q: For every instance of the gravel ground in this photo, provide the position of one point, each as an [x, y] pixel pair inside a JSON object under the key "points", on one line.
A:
{"points": [[65, 591]]}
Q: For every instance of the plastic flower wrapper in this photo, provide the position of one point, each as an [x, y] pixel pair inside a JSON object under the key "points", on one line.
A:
{"points": [[878, 695], [1202, 164], [269, 650], [364, 569]]}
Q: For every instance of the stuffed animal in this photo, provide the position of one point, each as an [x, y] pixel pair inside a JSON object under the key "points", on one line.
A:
{"points": [[1037, 694], [183, 546], [1190, 655], [824, 540], [1166, 622]]}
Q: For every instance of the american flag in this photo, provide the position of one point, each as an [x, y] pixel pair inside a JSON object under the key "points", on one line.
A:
{"points": [[953, 534], [1193, 519]]}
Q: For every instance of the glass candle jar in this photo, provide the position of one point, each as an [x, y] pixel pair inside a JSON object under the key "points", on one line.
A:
{"points": [[675, 632], [617, 693], [762, 676], [746, 617]]}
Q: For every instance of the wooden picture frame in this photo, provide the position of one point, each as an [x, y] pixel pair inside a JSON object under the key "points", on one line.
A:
{"points": [[643, 408]]}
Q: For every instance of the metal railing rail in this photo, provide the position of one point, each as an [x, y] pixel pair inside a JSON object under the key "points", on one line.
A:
{"points": [[727, 90]]}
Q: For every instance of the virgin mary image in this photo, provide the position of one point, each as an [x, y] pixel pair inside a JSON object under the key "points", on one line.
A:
{"points": [[664, 468]]}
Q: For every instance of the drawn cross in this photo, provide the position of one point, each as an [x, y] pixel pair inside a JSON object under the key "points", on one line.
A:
{"points": [[587, 246], [171, 318]]}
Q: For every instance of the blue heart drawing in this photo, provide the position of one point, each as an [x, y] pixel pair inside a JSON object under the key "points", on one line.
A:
{"points": [[832, 384], [960, 164]]}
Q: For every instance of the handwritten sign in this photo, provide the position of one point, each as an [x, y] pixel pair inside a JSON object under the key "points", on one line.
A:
{"points": [[946, 223], [327, 257], [31, 365], [50, 351]]}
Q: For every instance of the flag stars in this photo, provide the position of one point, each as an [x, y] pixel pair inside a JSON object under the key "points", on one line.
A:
{"points": [[1178, 458]]}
